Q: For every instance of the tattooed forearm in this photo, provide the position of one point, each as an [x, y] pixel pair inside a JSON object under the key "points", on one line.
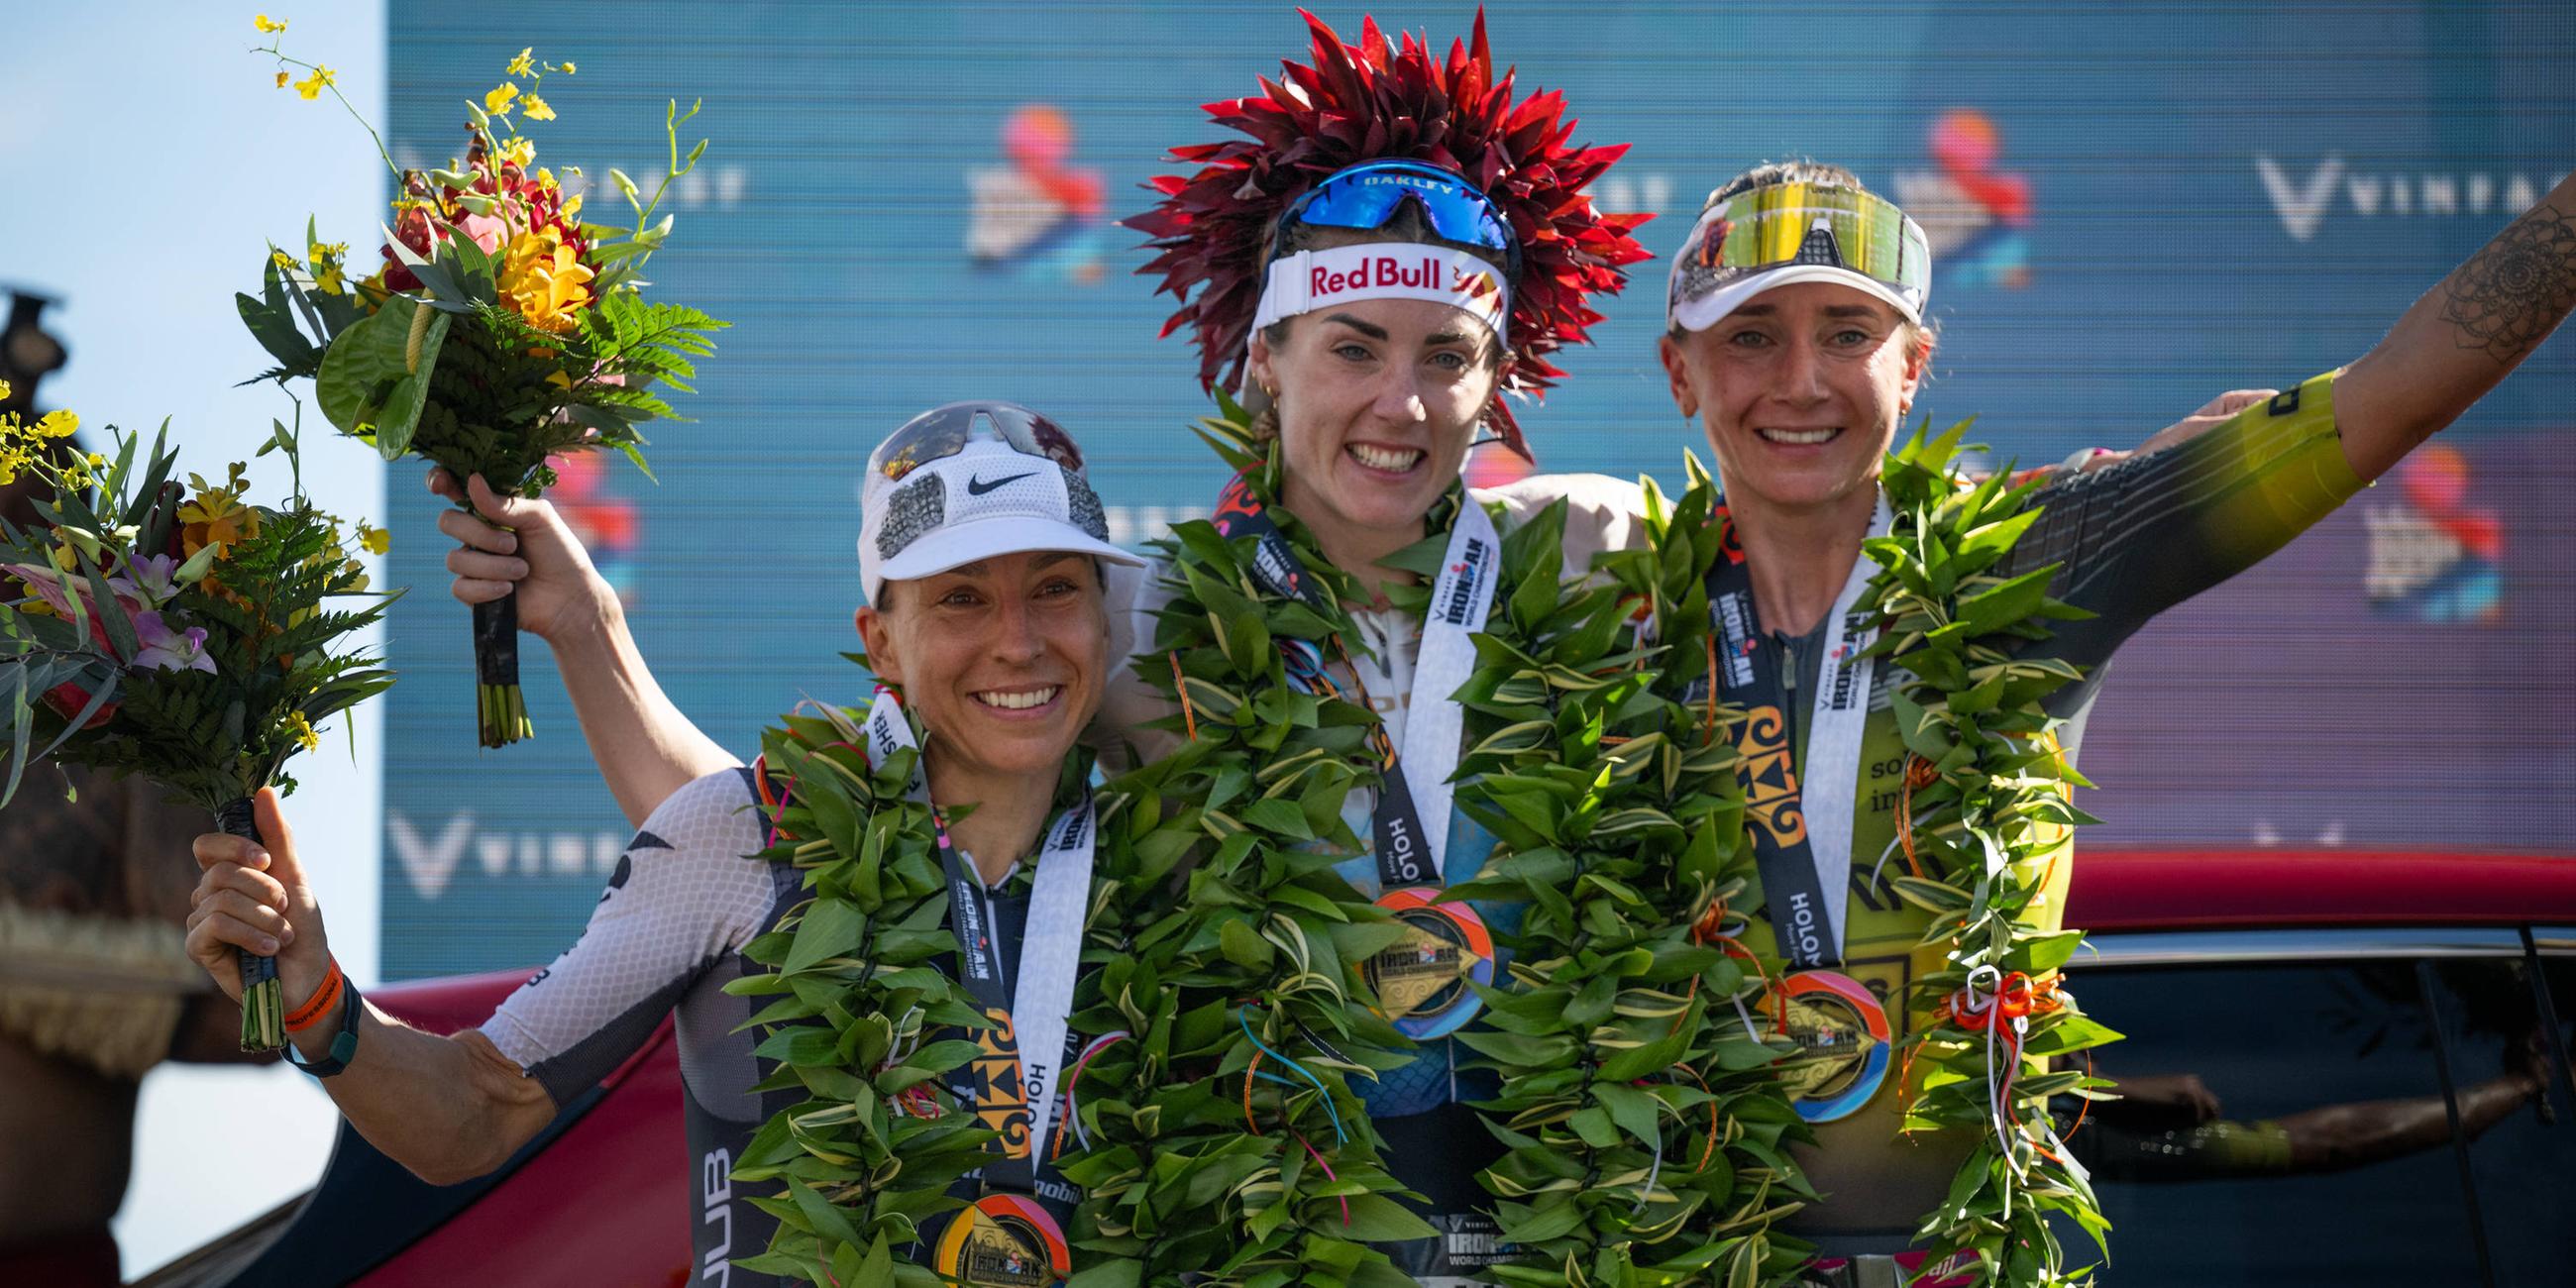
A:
{"points": [[2517, 288]]}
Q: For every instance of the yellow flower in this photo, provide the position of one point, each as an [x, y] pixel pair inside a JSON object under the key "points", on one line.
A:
{"points": [[320, 252], [311, 87], [538, 110], [544, 280], [281, 80], [303, 730], [376, 540], [522, 65], [329, 281], [497, 103], [58, 424], [567, 69], [518, 151], [269, 25], [4, 388], [281, 259], [216, 516]]}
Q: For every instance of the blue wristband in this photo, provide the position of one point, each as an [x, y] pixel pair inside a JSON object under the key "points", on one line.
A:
{"points": [[344, 1044]]}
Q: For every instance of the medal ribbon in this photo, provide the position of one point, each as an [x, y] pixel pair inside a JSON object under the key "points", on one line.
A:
{"points": [[1805, 859], [1040, 1000], [1416, 784]]}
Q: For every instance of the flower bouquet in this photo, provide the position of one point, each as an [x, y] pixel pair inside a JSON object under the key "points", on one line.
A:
{"points": [[171, 630], [501, 328]]}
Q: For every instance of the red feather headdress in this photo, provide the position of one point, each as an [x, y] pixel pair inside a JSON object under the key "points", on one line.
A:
{"points": [[1373, 101]]}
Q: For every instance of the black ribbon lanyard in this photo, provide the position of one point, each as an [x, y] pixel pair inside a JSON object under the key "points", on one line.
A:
{"points": [[1751, 672], [986, 978], [1403, 850]]}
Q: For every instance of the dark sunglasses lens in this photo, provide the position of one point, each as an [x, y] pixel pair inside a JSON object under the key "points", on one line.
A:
{"points": [[930, 436], [1035, 435]]}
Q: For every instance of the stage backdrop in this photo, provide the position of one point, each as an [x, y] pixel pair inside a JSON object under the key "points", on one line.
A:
{"points": [[2134, 211]]}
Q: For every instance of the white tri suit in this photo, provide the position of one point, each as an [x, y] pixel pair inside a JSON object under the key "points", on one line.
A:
{"points": [[1435, 1146], [666, 937]]}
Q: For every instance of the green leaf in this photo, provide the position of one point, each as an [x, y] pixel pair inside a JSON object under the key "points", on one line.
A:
{"points": [[368, 386], [1375, 1218], [829, 928]]}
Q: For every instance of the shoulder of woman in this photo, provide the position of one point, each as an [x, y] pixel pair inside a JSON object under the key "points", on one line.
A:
{"points": [[1601, 512]]}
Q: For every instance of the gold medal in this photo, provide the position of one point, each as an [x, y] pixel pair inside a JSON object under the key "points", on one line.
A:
{"points": [[1004, 1241], [1843, 1039], [1424, 979]]}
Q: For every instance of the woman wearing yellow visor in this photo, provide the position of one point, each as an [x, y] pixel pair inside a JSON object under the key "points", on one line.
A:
{"points": [[1797, 339]]}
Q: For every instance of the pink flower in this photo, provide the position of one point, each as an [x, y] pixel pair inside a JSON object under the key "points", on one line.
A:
{"points": [[169, 650], [57, 590], [486, 230]]}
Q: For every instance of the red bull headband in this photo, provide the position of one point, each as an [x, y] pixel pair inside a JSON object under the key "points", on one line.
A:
{"points": [[1310, 281]]}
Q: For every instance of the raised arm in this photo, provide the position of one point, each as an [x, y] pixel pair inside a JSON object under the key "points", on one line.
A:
{"points": [[448, 1108], [644, 746], [2461, 338]]}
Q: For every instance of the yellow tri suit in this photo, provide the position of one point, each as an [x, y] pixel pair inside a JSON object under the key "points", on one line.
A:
{"points": [[2134, 539]]}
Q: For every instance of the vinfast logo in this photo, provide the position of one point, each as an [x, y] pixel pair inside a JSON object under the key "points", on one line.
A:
{"points": [[2302, 200], [1421, 273], [429, 858], [1466, 578]]}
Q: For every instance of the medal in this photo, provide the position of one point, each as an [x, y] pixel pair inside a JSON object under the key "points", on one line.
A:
{"points": [[1843, 1039], [1004, 1241], [1423, 980]]}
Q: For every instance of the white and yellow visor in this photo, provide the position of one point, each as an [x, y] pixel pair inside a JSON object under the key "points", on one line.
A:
{"points": [[1797, 232]]}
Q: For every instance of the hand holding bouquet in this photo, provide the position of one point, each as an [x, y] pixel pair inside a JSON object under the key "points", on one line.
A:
{"points": [[175, 631], [501, 328]]}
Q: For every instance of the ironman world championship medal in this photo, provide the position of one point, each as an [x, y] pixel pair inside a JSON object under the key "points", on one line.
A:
{"points": [[1004, 1241], [1423, 979], [1842, 1035]]}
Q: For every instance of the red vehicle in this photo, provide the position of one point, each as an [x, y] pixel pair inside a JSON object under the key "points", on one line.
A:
{"points": [[2343, 1067]]}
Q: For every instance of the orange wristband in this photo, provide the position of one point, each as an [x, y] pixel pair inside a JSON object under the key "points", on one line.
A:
{"points": [[318, 1005]]}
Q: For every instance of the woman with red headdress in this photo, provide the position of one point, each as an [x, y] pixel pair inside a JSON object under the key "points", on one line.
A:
{"points": [[1394, 241]]}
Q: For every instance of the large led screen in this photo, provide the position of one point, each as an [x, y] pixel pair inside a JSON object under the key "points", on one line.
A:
{"points": [[2134, 209]]}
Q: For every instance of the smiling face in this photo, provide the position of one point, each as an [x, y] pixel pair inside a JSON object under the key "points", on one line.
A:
{"points": [[1801, 391], [1003, 660], [1378, 401]]}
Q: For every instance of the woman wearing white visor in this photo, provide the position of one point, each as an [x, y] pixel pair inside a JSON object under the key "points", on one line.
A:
{"points": [[982, 561], [1797, 339]]}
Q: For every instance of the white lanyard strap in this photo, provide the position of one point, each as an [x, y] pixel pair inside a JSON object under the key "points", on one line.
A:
{"points": [[1041, 998], [1461, 598], [1830, 787]]}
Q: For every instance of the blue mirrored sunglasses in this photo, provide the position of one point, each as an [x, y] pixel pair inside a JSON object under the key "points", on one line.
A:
{"points": [[1366, 196]]}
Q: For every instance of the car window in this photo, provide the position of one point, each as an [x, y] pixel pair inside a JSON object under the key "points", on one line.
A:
{"points": [[2284, 1126], [2521, 1148]]}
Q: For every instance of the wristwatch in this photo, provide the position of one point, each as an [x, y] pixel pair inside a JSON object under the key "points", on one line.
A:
{"points": [[344, 1044]]}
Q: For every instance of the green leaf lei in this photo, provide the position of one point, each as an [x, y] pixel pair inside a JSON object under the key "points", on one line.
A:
{"points": [[1641, 1106], [1228, 948], [1990, 813], [856, 971]]}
